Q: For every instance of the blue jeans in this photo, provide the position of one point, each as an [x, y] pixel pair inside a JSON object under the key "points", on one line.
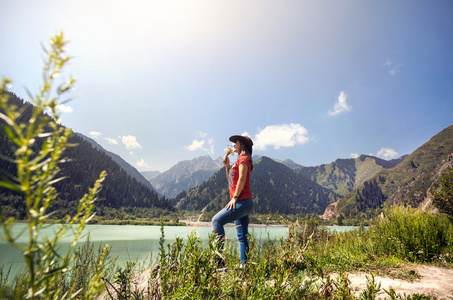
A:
{"points": [[240, 216]]}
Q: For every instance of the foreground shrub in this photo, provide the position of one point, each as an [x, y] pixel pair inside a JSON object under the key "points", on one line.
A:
{"points": [[190, 271], [402, 235], [412, 234], [40, 143]]}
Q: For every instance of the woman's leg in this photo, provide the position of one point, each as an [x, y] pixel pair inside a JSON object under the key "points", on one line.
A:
{"points": [[243, 208], [242, 226]]}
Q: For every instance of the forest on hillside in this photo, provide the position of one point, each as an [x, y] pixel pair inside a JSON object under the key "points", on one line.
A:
{"points": [[275, 187], [83, 165]]}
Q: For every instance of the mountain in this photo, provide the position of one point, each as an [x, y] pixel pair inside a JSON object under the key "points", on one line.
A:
{"points": [[291, 164], [83, 166], [150, 174], [275, 187], [343, 175], [407, 183], [185, 174], [287, 162], [133, 172]]}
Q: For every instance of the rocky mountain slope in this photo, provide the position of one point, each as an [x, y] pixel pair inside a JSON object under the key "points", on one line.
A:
{"points": [[344, 175], [408, 182], [185, 174]]}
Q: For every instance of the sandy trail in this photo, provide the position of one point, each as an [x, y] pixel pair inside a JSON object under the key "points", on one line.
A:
{"points": [[434, 281]]}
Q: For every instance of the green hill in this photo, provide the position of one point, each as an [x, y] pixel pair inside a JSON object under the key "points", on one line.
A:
{"points": [[406, 183], [344, 175], [84, 165]]}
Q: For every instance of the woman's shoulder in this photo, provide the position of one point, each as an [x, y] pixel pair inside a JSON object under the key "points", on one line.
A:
{"points": [[243, 159]]}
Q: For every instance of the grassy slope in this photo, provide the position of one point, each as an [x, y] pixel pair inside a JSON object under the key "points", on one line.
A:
{"points": [[409, 181], [344, 175], [366, 169]]}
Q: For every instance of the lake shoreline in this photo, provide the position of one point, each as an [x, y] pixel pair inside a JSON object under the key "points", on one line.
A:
{"points": [[208, 224]]}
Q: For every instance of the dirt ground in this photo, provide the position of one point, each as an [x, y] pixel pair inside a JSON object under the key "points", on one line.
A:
{"points": [[434, 281]]}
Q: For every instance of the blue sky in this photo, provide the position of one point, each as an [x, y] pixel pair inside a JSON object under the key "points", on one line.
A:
{"points": [[313, 81]]}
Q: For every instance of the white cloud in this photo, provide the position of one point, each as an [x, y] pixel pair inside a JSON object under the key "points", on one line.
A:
{"points": [[392, 67], [111, 141], [203, 144], [94, 134], [141, 163], [341, 105], [354, 155], [64, 108], [130, 142], [201, 134], [283, 135], [387, 153], [196, 145]]}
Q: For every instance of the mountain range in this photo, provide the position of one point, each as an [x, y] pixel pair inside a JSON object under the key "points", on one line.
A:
{"points": [[346, 187], [275, 187], [410, 182], [287, 187], [344, 175], [84, 163], [184, 175]]}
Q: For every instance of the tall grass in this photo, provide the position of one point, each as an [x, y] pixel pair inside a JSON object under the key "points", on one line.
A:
{"points": [[404, 235], [413, 234], [300, 266]]}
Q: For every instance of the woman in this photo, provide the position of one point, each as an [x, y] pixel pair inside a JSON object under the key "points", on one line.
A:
{"points": [[241, 203]]}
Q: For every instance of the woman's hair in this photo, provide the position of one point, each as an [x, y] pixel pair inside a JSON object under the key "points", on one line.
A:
{"points": [[243, 150]]}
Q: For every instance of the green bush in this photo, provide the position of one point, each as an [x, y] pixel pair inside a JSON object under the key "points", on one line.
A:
{"points": [[412, 234]]}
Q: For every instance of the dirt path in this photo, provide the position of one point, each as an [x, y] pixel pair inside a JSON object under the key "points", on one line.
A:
{"points": [[434, 281]]}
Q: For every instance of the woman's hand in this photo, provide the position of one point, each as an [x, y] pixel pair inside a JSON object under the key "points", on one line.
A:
{"points": [[231, 204], [226, 161]]}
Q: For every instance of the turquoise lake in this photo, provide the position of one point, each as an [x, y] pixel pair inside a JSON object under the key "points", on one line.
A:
{"points": [[129, 242]]}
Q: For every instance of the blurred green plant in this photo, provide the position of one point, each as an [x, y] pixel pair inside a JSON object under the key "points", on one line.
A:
{"points": [[123, 278], [39, 144]]}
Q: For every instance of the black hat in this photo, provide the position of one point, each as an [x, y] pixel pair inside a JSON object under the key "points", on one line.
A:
{"points": [[244, 140]]}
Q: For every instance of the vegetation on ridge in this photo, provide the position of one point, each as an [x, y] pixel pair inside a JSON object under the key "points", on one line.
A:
{"points": [[343, 175], [80, 167], [409, 182]]}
